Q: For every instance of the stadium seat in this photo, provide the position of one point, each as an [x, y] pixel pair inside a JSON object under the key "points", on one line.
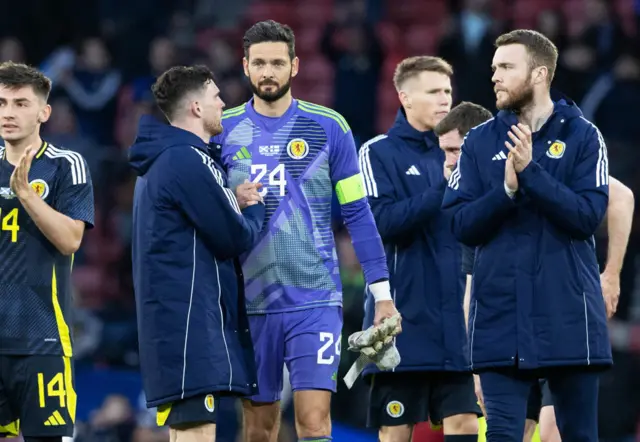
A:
{"points": [[573, 10], [424, 12], [525, 12], [279, 11], [389, 67], [308, 41], [390, 37], [318, 94], [388, 105], [313, 13], [316, 69], [421, 40]]}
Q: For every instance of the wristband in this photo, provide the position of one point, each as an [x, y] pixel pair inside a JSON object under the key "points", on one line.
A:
{"points": [[381, 291]]}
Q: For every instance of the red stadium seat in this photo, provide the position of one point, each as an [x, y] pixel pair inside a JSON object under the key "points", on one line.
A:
{"points": [[421, 40], [388, 105], [317, 69], [390, 36], [308, 40], [574, 11], [525, 12], [426, 12], [313, 13], [279, 11], [318, 94]]}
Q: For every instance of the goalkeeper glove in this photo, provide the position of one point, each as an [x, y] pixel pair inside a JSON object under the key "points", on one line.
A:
{"points": [[375, 345]]}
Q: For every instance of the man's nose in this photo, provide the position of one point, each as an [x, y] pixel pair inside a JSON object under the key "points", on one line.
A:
{"points": [[267, 71]]}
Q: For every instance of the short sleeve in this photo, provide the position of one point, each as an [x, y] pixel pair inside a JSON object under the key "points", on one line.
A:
{"points": [[74, 194]]}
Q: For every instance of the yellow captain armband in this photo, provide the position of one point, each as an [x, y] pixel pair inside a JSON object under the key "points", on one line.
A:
{"points": [[350, 189]]}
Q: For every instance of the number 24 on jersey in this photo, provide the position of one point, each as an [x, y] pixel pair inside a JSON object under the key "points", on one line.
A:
{"points": [[274, 179]]}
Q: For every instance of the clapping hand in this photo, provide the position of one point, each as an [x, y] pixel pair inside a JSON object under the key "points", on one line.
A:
{"points": [[19, 180], [522, 149]]}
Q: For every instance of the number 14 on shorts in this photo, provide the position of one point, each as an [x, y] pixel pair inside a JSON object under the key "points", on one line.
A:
{"points": [[54, 388]]}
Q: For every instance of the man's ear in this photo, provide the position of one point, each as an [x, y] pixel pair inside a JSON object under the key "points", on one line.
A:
{"points": [[405, 99], [245, 66], [44, 114], [295, 65], [541, 75], [196, 108]]}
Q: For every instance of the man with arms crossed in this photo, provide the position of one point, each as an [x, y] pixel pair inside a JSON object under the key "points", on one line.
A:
{"points": [[300, 153], [405, 183], [46, 202], [188, 230], [537, 309], [451, 132]]}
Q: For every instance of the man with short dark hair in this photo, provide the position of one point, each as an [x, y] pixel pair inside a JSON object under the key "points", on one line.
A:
{"points": [[530, 190], [46, 203], [405, 178], [301, 154], [188, 230]]}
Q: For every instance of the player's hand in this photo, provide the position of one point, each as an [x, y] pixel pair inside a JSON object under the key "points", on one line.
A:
{"points": [[510, 176], [247, 194], [478, 391], [610, 291], [384, 310], [19, 181], [522, 148]]}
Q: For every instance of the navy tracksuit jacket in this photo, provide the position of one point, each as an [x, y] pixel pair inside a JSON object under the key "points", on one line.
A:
{"points": [[187, 232], [405, 184], [536, 295]]}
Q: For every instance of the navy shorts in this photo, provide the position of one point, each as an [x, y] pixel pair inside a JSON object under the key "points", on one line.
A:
{"points": [[408, 398]]}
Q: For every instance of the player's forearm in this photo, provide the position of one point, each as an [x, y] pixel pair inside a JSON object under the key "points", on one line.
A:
{"points": [[619, 222], [475, 222], [366, 240], [63, 232], [578, 214], [466, 302], [402, 217]]}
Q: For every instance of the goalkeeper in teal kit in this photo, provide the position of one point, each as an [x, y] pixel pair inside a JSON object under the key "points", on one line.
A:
{"points": [[297, 154]]}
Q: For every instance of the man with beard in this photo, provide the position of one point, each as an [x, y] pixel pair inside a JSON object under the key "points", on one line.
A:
{"points": [[188, 230], [300, 153], [530, 190], [451, 132]]}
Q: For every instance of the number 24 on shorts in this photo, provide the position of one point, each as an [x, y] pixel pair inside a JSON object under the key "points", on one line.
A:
{"points": [[327, 338], [54, 388]]}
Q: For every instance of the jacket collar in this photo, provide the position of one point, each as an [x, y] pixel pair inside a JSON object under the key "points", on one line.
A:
{"points": [[402, 129], [563, 107]]}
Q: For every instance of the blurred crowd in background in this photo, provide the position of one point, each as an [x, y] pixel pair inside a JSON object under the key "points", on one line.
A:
{"points": [[103, 56]]}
